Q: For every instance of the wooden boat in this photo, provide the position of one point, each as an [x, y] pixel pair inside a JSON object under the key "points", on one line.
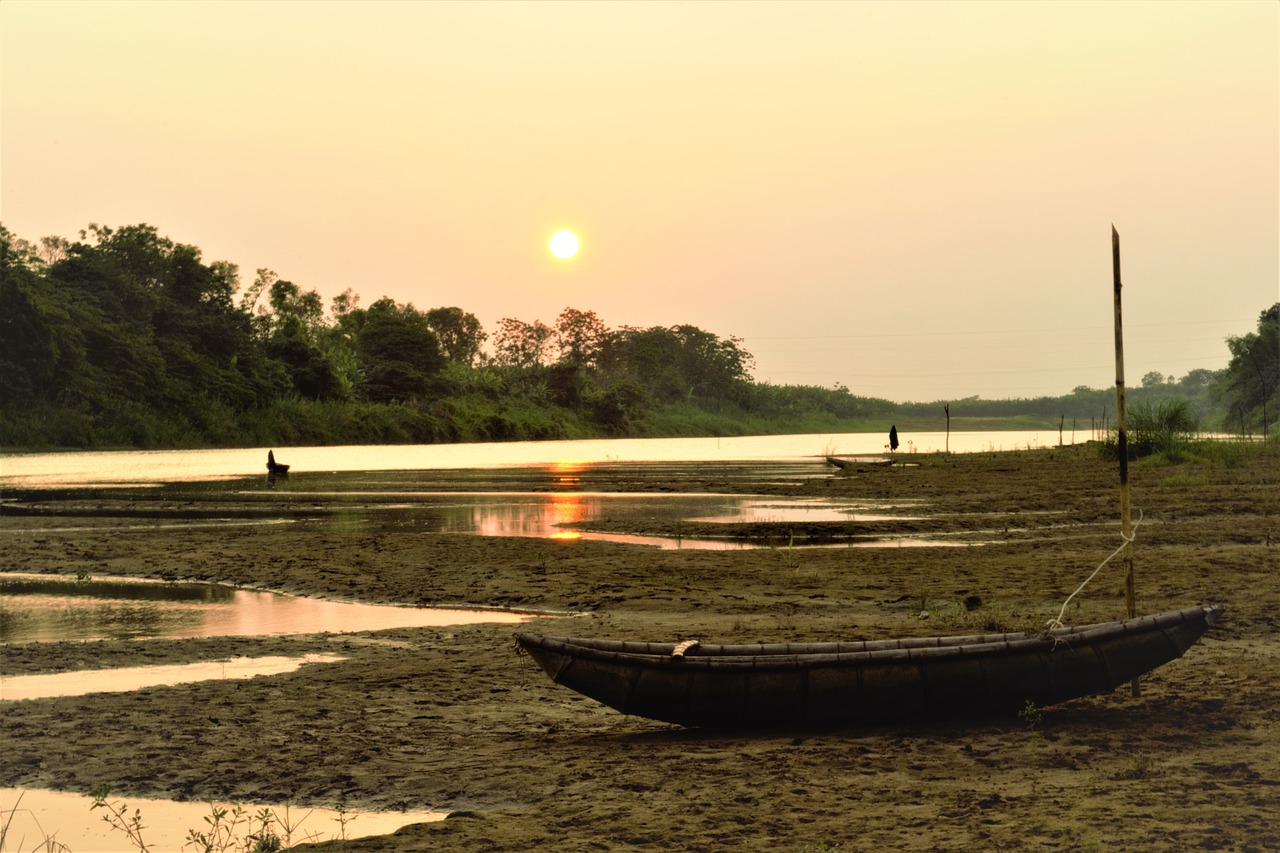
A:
{"points": [[846, 463], [869, 681], [274, 467]]}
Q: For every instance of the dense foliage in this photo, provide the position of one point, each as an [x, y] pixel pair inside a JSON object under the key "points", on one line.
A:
{"points": [[125, 338], [1252, 378]]}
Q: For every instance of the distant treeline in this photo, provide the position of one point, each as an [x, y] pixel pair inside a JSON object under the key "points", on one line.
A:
{"points": [[125, 338]]}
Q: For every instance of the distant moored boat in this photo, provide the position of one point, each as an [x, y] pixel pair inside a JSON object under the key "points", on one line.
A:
{"points": [[274, 467]]}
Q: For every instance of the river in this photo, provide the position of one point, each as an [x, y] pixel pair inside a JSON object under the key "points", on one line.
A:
{"points": [[136, 467]]}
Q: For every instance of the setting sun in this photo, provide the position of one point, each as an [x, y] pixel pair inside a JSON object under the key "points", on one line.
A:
{"points": [[564, 244]]}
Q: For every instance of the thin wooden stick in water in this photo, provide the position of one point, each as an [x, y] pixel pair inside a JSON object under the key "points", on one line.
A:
{"points": [[1122, 449]]}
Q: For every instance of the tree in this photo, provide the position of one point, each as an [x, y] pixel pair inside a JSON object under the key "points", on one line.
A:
{"points": [[648, 357], [28, 353], [714, 368], [579, 336], [127, 329], [296, 312], [1198, 380], [296, 336], [460, 334], [520, 344], [1252, 377], [343, 304], [398, 352]]}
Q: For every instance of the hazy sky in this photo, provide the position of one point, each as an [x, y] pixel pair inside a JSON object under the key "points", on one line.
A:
{"points": [[912, 199]]}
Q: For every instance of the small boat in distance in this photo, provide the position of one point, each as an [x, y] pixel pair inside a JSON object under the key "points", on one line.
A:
{"points": [[873, 681], [274, 467], [849, 464]]}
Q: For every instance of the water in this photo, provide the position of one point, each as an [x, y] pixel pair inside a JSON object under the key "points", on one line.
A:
{"points": [[126, 679], [40, 608], [66, 818], [135, 467]]}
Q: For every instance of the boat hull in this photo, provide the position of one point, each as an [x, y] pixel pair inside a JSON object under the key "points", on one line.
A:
{"points": [[865, 682]]}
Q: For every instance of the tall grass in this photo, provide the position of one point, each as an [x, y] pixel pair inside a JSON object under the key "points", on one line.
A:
{"points": [[1164, 428]]}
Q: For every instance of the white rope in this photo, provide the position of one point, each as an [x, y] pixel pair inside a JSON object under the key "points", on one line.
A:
{"points": [[1128, 540]]}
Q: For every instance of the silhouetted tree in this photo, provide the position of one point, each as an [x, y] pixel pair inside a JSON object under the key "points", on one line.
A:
{"points": [[398, 352], [520, 344], [459, 333]]}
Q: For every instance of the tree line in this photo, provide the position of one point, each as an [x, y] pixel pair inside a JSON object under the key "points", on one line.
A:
{"points": [[125, 338]]}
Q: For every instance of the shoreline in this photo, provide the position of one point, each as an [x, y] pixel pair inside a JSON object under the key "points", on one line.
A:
{"points": [[455, 720]]}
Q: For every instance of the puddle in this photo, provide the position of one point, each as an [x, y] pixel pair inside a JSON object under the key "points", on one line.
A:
{"points": [[65, 818], [557, 515], [814, 509], [125, 679], [116, 527], [41, 608]]}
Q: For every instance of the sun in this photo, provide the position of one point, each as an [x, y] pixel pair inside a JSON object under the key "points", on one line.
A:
{"points": [[564, 244]]}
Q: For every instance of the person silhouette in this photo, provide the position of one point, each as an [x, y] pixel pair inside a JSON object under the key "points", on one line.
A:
{"points": [[893, 437]]}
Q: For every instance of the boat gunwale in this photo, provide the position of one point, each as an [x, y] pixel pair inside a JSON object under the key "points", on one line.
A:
{"points": [[793, 655]]}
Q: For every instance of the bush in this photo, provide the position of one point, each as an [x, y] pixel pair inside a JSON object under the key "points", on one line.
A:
{"points": [[1165, 427]]}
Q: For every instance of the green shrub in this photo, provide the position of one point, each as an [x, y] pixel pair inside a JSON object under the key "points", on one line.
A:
{"points": [[1165, 428]]}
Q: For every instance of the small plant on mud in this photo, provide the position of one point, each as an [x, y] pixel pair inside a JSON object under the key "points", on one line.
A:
{"points": [[343, 819], [1138, 767], [228, 828], [117, 815], [542, 562], [789, 556], [221, 833], [1033, 717]]}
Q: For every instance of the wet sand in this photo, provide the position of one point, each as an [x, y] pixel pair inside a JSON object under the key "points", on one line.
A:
{"points": [[456, 720]]}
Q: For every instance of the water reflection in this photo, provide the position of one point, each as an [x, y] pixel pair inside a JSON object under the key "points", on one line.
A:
{"points": [[815, 509], [567, 509], [126, 679], [632, 503], [35, 608], [560, 515], [66, 819]]}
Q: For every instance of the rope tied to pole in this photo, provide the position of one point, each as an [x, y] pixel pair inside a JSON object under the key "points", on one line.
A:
{"points": [[1128, 540]]}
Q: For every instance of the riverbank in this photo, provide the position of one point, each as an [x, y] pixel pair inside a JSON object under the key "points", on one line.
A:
{"points": [[454, 719]]}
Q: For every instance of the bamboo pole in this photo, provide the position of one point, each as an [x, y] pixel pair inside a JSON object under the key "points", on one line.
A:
{"points": [[1122, 448]]}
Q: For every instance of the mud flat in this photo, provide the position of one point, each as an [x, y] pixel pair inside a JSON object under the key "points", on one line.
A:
{"points": [[453, 719]]}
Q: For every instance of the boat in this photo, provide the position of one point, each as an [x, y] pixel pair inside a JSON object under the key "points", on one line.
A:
{"points": [[846, 464], [274, 467], [865, 682]]}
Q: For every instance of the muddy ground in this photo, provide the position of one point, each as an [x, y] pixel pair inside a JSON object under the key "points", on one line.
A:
{"points": [[455, 720]]}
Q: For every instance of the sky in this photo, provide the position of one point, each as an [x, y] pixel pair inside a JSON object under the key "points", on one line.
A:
{"points": [[912, 200]]}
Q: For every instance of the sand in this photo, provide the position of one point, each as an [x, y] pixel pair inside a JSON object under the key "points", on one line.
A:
{"points": [[456, 720]]}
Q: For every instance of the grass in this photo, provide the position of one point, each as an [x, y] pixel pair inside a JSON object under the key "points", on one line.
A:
{"points": [[1138, 765], [969, 617]]}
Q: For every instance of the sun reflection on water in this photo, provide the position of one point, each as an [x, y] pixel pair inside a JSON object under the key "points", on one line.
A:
{"points": [[566, 509]]}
